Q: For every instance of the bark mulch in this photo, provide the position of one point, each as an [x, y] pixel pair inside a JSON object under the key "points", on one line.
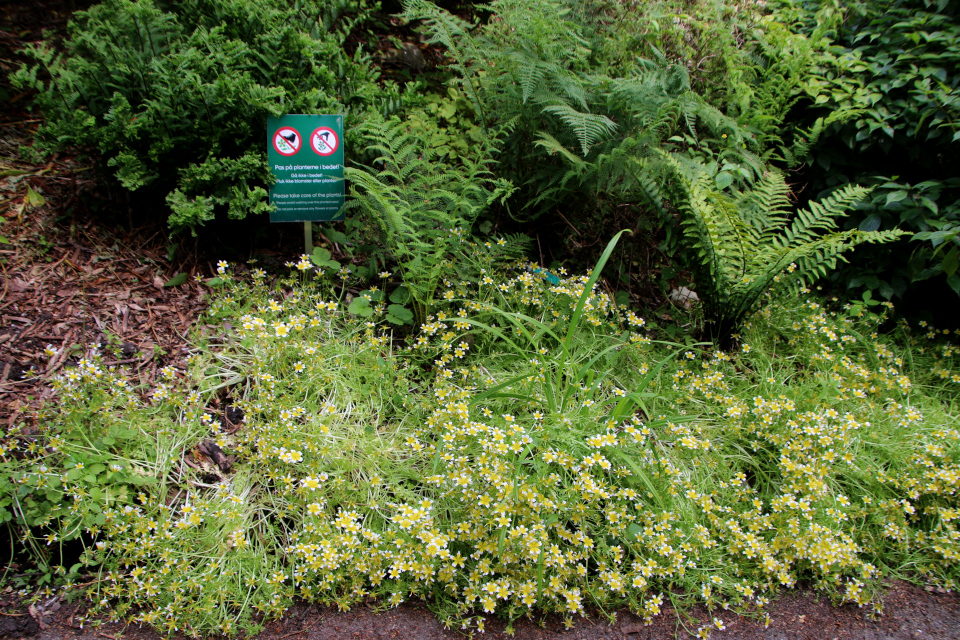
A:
{"points": [[74, 286], [66, 280]]}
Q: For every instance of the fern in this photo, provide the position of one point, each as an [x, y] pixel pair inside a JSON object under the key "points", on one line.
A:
{"points": [[423, 206], [454, 34], [808, 139], [747, 245]]}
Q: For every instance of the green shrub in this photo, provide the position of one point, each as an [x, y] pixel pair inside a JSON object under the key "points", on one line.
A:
{"points": [[890, 73], [174, 96], [584, 80]]}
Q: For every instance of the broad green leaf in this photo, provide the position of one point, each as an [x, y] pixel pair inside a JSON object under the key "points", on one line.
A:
{"points": [[360, 307], [870, 223], [321, 258], [954, 283], [335, 236], [724, 179], [34, 199], [896, 196], [400, 295], [950, 262], [320, 255], [886, 290], [401, 313]]}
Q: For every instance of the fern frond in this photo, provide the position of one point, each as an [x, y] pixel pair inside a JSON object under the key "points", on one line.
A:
{"points": [[810, 224], [766, 207], [423, 207], [588, 127], [808, 139], [454, 34], [551, 145]]}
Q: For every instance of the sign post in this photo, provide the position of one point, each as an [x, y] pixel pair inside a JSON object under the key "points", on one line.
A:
{"points": [[305, 154]]}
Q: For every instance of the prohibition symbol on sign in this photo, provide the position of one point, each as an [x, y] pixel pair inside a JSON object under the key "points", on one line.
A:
{"points": [[287, 141], [324, 141]]}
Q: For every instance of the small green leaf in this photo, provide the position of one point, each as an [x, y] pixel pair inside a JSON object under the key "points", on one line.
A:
{"points": [[870, 223], [34, 199], [724, 179], [930, 204], [4, 240], [950, 262], [895, 196], [176, 280], [360, 307], [214, 282], [855, 310], [320, 255], [400, 295], [321, 258], [954, 283], [337, 237], [400, 314], [886, 290]]}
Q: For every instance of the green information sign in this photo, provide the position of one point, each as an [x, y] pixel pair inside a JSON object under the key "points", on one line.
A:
{"points": [[306, 156]]}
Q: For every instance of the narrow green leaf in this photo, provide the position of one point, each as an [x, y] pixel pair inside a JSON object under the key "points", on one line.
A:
{"points": [[176, 280]]}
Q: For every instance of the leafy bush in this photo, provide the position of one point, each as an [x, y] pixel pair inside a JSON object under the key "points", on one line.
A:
{"points": [[174, 95], [551, 66], [747, 245], [56, 486], [890, 73]]}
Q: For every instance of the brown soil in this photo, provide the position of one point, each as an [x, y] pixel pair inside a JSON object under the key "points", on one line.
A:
{"points": [[909, 612]]}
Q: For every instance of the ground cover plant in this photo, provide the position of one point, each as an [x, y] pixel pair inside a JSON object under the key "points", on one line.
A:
{"points": [[534, 448]]}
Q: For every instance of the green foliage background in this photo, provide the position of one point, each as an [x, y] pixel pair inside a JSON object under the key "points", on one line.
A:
{"points": [[889, 70], [173, 95]]}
